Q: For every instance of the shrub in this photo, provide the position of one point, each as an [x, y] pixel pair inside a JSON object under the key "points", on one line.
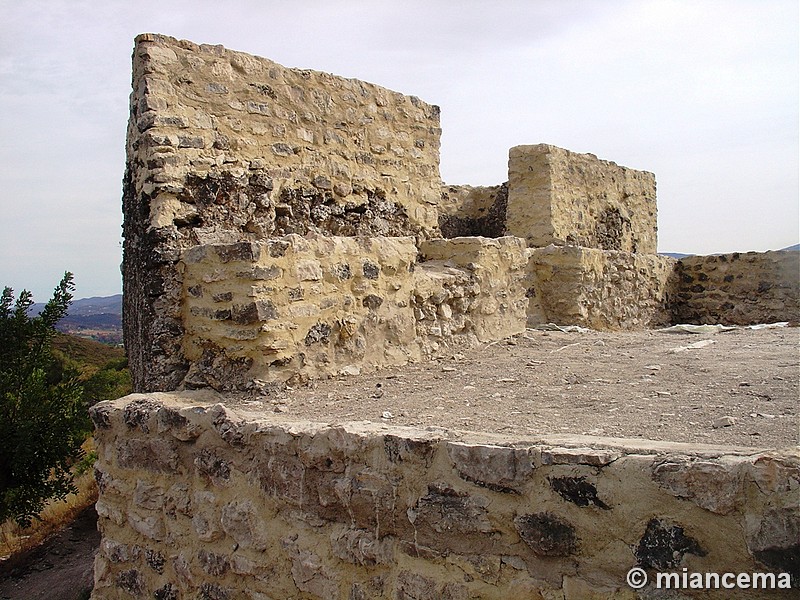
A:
{"points": [[43, 418]]}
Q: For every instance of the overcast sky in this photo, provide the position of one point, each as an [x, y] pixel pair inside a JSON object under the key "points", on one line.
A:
{"points": [[702, 93]]}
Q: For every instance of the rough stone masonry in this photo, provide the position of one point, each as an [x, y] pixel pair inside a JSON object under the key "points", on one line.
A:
{"points": [[285, 224]]}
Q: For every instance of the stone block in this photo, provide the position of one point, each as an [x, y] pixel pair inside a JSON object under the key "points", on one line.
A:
{"points": [[560, 197]]}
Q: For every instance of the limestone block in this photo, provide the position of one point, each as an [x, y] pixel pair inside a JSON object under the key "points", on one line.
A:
{"points": [[560, 197], [571, 285]]}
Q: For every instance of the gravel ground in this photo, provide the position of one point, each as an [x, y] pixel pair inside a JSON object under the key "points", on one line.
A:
{"points": [[739, 388]]}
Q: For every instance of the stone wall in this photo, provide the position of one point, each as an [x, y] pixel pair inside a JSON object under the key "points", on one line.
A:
{"points": [[201, 501], [738, 288], [561, 197], [225, 147], [572, 285], [301, 307], [465, 210]]}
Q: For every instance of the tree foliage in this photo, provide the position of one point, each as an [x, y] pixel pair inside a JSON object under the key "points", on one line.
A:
{"points": [[43, 418]]}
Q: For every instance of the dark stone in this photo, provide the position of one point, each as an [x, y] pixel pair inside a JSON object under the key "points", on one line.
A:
{"points": [[196, 291], [255, 312], [100, 416], [308, 209], [784, 560], [242, 251], [446, 510], [277, 248], [764, 286], [296, 294], [222, 297], [492, 224], [282, 149], [318, 334], [547, 534], [728, 278], [155, 560], [138, 412], [211, 465], [578, 491], [130, 581], [266, 273], [697, 288], [370, 270], [186, 141], [167, 592], [212, 591], [372, 302], [663, 546], [342, 271]]}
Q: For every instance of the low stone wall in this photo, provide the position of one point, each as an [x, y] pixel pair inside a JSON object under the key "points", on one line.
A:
{"points": [[302, 307], [604, 290], [738, 288], [201, 501], [562, 197]]}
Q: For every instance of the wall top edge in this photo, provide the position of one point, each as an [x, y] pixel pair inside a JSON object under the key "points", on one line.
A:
{"points": [[219, 50], [234, 408]]}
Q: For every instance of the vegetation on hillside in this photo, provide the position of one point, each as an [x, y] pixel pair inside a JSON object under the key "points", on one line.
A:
{"points": [[47, 382]]}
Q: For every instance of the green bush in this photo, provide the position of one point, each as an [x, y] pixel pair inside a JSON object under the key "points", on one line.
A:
{"points": [[43, 417]]}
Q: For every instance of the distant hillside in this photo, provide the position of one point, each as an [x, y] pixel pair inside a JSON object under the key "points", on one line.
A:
{"points": [[674, 254], [98, 318], [795, 247]]}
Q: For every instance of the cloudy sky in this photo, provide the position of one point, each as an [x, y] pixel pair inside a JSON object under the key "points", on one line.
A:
{"points": [[703, 93]]}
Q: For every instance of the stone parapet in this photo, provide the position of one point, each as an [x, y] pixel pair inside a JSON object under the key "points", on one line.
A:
{"points": [[603, 290], [315, 306], [200, 500], [560, 197], [738, 288]]}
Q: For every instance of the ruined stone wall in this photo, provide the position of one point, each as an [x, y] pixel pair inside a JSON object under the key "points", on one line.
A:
{"points": [[738, 288], [225, 147], [465, 210], [571, 285], [561, 197], [301, 307], [201, 501]]}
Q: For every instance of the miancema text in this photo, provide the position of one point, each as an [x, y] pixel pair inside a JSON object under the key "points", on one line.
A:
{"points": [[686, 580]]}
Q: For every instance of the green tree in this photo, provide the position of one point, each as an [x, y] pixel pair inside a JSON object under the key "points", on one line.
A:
{"points": [[43, 419]]}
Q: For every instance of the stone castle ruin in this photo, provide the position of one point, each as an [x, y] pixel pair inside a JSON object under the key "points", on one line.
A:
{"points": [[284, 224]]}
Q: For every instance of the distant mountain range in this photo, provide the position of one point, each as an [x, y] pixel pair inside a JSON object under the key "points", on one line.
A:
{"points": [[98, 318]]}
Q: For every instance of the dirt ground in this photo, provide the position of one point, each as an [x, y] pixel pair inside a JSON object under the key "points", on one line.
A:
{"points": [[59, 569], [644, 384], [739, 388]]}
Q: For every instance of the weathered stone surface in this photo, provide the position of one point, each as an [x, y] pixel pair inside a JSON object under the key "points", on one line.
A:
{"points": [[738, 288], [599, 289], [226, 155], [664, 545], [564, 198], [253, 504], [547, 534], [712, 485]]}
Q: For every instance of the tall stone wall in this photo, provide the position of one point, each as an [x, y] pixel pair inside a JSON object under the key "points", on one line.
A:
{"points": [[738, 289], [302, 307], [604, 290], [226, 147], [201, 501], [561, 197]]}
